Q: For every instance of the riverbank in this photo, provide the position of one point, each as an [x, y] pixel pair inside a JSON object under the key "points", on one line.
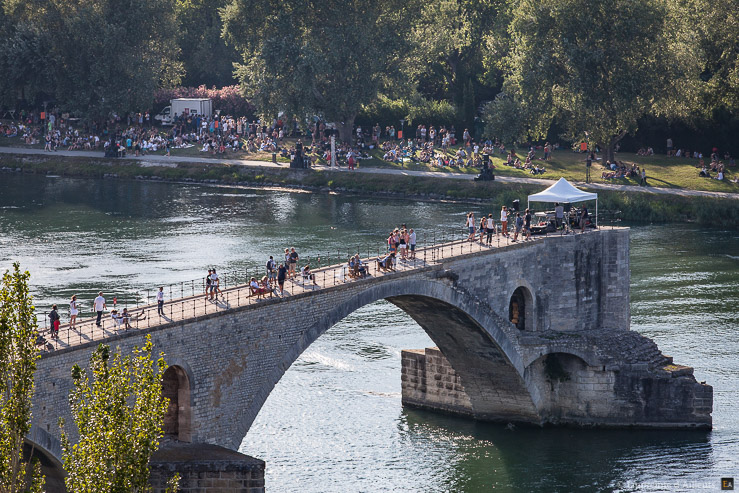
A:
{"points": [[614, 204]]}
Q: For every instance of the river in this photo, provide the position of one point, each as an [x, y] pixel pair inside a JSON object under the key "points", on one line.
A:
{"points": [[335, 421]]}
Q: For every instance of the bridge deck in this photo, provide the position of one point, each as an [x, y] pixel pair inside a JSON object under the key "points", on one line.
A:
{"points": [[190, 307]]}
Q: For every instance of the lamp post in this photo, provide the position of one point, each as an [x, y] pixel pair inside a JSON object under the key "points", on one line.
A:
{"points": [[402, 126], [588, 161]]}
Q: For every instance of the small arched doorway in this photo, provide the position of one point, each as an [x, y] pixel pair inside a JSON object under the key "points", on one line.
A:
{"points": [[520, 309], [176, 388]]}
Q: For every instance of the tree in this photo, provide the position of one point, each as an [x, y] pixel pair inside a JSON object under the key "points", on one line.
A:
{"points": [[119, 414], [18, 354], [24, 58], [504, 119], [105, 56], [447, 60], [704, 40], [206, 57], [317, 58], [596, 66]]}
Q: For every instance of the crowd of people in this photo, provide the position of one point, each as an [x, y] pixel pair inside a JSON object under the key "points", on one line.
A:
{"points": [[486, 229], [401, 246], [529, 162], [619, 169], [716, 166], [119, 318]]}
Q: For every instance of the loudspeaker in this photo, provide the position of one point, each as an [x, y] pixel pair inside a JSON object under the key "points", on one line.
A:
{"points": [[516, 205]]}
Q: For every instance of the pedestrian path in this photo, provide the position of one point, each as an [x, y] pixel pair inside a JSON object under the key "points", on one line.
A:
{"points": [[197, 305], [160, 160]]}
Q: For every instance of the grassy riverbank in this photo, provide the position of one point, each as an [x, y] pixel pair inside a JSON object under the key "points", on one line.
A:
{"points": [[639, 207], [661, 171]]}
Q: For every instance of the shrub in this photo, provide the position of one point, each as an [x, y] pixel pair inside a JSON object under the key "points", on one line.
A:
{"points": [[227, 99]]}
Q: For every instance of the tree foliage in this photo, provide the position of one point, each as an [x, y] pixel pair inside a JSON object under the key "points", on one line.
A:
{"points": [[325, 58], [704, 39], [118, 410], [447, 60], [94, 57], [206, 57], [18, 354], [596, 66], [229, 99]]}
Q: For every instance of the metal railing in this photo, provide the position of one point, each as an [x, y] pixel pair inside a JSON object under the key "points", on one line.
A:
{"points": [[234, 292]]}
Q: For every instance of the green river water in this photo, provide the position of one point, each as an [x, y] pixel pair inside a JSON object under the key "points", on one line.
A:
{"points": [[335, 423]]}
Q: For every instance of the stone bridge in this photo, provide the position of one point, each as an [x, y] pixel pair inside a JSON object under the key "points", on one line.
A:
{"points": [[534, 332]]}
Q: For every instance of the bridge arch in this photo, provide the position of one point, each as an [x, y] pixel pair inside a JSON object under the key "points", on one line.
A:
{"points": [[42, 445], [479, 344]]}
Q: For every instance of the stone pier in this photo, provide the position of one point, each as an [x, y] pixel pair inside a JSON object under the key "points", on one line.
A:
{"points": [[645, 390]]}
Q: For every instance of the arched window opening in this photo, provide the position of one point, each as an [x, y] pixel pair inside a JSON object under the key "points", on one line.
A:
{"points": [[176, 388], [520, 309]]}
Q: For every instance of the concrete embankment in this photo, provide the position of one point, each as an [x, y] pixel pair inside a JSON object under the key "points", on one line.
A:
{"points": [[627, 205]]}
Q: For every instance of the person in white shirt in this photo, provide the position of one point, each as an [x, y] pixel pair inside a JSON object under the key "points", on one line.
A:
{"points": [[73, 312], [504, 221], [214, 285], [253, 286], [490, 229], [559, 214], [412, 244], [99, 305], [160, 301], [471, 226]]}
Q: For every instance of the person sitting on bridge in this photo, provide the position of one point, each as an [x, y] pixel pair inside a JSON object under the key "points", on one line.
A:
{"points": [[256, 289], [116, 318], [307, 275], [387, 262], [355, 267], [126, 318], [359, 268]]}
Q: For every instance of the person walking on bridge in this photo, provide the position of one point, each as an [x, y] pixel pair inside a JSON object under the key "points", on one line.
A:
{"points": [[54, 318], [490, 229], [160, 301], [281, 275], [412, 244], [271, 270], [470, 226], [73, 312], [215, 287], [207, 284], [100, 306]]}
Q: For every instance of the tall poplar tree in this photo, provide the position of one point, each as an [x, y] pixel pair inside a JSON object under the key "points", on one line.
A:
{"points": [[18, 354], [118, 410]]}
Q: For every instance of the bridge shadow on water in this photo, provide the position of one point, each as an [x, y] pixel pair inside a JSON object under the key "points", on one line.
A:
{"points": [[488, 456]]}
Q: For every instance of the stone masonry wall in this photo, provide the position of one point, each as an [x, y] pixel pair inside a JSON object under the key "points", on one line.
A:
{"points": [[429, 381], [574, 393], [234, 358], [206, 469]]}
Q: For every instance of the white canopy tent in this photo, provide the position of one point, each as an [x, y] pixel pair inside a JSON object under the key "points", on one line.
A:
{"points": [[563, 191]]}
